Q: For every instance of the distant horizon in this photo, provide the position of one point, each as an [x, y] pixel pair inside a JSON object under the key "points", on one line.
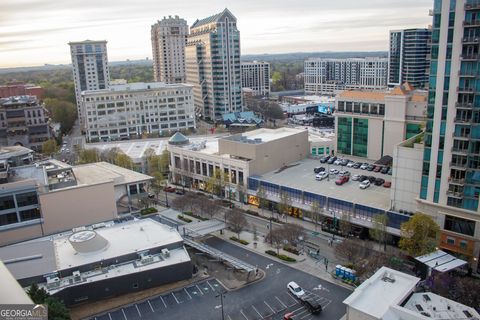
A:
{"points": [[35, 33]]}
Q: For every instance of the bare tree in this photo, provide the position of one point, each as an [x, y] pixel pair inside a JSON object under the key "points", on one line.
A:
{"points": [[236, 221], [379, 230], [285, 204], [345, 225], [276, 238], [292, 233], [315, 210]]}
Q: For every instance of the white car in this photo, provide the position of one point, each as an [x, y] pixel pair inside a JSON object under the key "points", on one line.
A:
{"points": [[355, 177], [350, 164], [320, 176], [337, 162], [344, 173], [364, 166], [295, 289], [364, 184], [333, 171]]}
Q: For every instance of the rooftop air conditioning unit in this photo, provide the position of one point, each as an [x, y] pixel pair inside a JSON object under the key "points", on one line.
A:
{"points": [[77, 277], [166, 253]]}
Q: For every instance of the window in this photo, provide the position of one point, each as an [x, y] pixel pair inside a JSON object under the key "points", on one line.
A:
{"points": [[26, 199], [133, 189], [459, 225], [7, 203], [30, 214], [9, 218], [450, 241]]}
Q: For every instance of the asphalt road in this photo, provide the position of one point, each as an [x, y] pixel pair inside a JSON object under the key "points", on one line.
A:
{"points": [[265, 299]]}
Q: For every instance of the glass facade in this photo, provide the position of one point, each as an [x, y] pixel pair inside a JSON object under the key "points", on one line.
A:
{"points": [[344, 138], [19, 207], [360, 137]]}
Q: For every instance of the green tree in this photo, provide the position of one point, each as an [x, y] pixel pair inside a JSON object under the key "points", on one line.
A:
{"points": [[379, 229], [63, 112], [216, 182], [88, 156], [263, 202], [56, 309], [49, 147], [124, 161], [419, 235]]}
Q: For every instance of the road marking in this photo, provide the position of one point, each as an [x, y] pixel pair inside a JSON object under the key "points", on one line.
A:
{"points": [[243, 314], [150, 305], [269, 306], [257, 311], [188, 294], [175, 298], [327, 304], [139, 313], [229, 317], [210, 285], [283, 304], [110, 316], [199, 289], [124, 314], [292, 296], [307, 315], [163, 302]]}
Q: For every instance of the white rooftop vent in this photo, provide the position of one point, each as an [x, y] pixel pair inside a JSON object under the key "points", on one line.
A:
{"points": [[165, 253], [77, 277], [87, 241]]}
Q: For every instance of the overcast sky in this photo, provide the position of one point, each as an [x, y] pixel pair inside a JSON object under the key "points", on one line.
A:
{"points": [[35, 32]]}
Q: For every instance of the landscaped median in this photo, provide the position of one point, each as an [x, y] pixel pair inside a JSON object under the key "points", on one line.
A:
{"points": [[281, 256], [148, 211], [184, 219], [191, 214], [244, 242]]}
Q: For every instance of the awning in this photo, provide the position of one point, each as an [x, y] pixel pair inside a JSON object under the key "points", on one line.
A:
{"points": [[441, 261]]}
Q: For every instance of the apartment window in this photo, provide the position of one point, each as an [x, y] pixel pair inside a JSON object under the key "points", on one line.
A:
{"points": [[26, 199], [450, 241], [7, 203], [9, 218], [463, 244], [459, 225], [133, 189], [30, 214]]}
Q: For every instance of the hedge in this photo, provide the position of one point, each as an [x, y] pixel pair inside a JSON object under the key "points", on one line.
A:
{"points": [[146, 211], [291, 250], [191, 214], [181, 217], [244, 242], [280, 256]]}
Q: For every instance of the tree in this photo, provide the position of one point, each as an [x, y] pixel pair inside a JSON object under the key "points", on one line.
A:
{"points": [[63, 112], [315, 209], [88, 156], [236, 221], [419, 235], [293, 233], [285, 204], [345, 225], [263, 202], [56, 309], [124, 161], [379, 229], [215, 182], [276, 238], [49, 147], [349, 250]]}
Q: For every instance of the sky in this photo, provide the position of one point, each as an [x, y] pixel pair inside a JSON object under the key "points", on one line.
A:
{"points": [[36, 32]]}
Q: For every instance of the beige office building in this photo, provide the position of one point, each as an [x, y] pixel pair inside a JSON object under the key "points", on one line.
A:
{"points": [[169, 37], [370, 123]]}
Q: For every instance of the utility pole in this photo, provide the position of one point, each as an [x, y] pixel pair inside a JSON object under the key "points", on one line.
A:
{"points": [[221, 301]]}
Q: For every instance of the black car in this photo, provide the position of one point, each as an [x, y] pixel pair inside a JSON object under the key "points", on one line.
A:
{"points": [[318, 169], [379, 181], [312, 305], [324, 159], [357, 165], [385, 170], [362, 178], [370, 167], [332, 160], [371, 179]]}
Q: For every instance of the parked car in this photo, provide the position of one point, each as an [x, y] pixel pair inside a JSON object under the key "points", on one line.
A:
{"points": [[169, 189], [370, 167], [362, 178], [288, 316], [379, 181], [337, 162], [357, 165], [364, 184], [332, 160], [371, 179], [151, 195], [390, 171], [318, 169], [364, 166], [344, 162], [377, 169], [333, 171], [180, 192], [341, 180], [387, 184], [320, 176], [385, 170], [312, 304], [324, 159], [355, 177], [295, 289], [344, 173], [350, 164]]}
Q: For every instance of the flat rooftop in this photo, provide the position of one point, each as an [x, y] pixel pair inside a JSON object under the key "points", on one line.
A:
{"points": [[439, 307], [385, 288], [98, 172], [266, 135], [300, 175], [137, 86]]}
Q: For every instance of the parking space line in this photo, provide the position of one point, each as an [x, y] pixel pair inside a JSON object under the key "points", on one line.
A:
{"points": [[188, 294], [283, 304], [257, 311], [327, 304], [150, 305], [229, 317], [307, 315], [199, 289], [139, 313], [301, 307], [210, 285], [243, 314], [178, 302], [109, 316], [163, 302], [124, 315], [269, 306]]}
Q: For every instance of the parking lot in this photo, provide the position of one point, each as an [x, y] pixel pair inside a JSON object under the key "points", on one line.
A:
{"points": [[180, 303], [302, 177]]}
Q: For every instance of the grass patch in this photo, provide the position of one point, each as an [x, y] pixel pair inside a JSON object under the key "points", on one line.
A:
{"points": [[146, 211], [291, 250], [184, 219], [191, 214], [280, 256], [244, 242]]}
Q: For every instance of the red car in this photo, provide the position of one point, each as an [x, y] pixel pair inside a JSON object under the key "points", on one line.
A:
{"points": [[377, 169], [387, 184], [341, 180], [169, 189], [288, 316]]}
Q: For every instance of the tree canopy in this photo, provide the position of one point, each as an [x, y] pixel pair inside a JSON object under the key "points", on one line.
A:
{"points": [[49, 147], [419, 235]]}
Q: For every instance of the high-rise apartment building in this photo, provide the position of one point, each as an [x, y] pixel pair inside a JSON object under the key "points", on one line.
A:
{"points": [[407, 57], [256, 76], [212, 58], [90, 69], [324, 76], [450, 184], [169, 37]]}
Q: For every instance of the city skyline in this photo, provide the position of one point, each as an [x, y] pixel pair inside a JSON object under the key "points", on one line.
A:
{"points": [[37, 32]]}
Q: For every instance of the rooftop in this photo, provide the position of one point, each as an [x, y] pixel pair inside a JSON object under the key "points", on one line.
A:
{"points": [[137, 86], [87, 42], [98, 172], [389, 286], [265, 135], [16, 100], [14, 151], [211, 19]]}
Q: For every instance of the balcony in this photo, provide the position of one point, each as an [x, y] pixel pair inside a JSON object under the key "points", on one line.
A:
{"points": [[460, 182], [459, 151], [472, 5], [468, 74], [471, 40], [461, 120], [464, 105], [458, 166], [455, 194], [465, 90], [470, 57], [473, 23]]}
